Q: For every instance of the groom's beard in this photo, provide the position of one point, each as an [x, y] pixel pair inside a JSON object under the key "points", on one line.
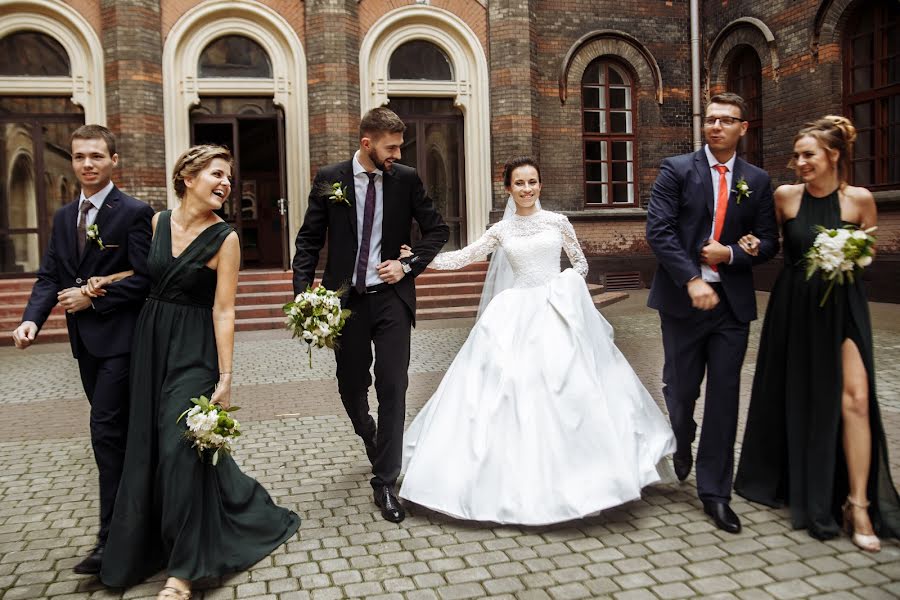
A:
{"points": [[381, 165]]}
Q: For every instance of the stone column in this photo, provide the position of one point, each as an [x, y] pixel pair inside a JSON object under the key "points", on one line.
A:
{"points": [[515, 112], [332, 46], [132, 49]]}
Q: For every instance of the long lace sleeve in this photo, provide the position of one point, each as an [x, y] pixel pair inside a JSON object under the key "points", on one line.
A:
{"points": [[572, 247], [457, 259]]}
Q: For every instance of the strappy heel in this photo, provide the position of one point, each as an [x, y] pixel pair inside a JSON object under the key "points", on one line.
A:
{"points": [[172, 593], [869, 543]]}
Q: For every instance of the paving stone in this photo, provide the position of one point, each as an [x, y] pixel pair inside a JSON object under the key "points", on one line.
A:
{"points": [[661, 546], [673, 590]]}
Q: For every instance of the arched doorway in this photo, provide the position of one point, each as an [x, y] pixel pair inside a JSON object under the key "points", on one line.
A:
{"points": [[253, 128], [429, 67], [235, 73], [36, 120], [433, 143]]}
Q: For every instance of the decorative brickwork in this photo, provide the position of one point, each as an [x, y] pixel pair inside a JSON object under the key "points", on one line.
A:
{"points": [[332, 43], [133, 54]]}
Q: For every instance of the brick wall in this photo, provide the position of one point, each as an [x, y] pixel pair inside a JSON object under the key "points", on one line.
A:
{"points": [[132, 49]]}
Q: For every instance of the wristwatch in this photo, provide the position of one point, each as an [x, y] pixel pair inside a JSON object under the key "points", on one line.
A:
{"points": [[404, 264]]}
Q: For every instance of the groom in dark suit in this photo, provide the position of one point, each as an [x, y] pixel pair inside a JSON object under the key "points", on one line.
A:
{"points": [[365, 207], [701, 205], [100, 328]]}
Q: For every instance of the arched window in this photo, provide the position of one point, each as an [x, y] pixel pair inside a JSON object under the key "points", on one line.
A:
{"points": [[608, 118], [872, 92], [234, 56], [420, 60], [745, 80], [30, 53]]}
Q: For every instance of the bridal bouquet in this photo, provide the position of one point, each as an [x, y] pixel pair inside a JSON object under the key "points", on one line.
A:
{"points": [[210, 427], [316, 317], [838, 254]]}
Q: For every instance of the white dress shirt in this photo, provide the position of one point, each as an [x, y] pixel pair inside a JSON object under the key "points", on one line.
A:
{"points": [[707, 273], [360, 185], [97, 200]]}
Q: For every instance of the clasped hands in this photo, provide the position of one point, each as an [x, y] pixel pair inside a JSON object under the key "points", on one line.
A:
{"points": [[74, 299], [703, 296]]}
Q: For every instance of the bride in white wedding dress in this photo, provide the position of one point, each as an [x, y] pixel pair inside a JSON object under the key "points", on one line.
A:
{"points": [[539, 419]]}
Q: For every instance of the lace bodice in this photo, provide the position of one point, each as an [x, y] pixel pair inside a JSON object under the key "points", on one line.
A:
{"points": [[532, 244]]}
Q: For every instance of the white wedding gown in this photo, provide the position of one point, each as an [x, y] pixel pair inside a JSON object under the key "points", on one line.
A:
{"points": [[539, 419]]}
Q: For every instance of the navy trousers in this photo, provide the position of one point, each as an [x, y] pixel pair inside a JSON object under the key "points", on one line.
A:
{"points": [[711, 343]]}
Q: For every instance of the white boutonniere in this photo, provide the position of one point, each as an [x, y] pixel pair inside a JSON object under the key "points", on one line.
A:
{"points": [[338, 193], [742, 189], [93, 234]]}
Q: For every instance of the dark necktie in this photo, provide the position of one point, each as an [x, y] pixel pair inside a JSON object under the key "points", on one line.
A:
{"points": [[362, 262], [82, 225]]}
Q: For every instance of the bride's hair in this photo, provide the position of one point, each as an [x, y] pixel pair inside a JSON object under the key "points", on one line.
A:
{"points": [[514, 163], [833, 132]]}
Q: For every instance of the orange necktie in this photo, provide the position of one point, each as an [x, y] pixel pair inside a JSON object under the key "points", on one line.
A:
{"points": [[721, 205]]}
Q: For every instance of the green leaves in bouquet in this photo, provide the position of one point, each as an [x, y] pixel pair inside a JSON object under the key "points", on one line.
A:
{"points": [[316, 317]]}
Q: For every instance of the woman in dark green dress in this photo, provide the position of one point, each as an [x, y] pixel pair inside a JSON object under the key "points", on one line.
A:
{"points": [[814, 438], [175, 511]]}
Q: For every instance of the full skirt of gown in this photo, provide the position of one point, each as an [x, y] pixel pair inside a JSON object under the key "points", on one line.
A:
{"points": [[174, 511], [539, 419]]}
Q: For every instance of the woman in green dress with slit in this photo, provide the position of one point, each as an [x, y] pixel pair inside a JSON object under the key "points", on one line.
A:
{"points": [[814, 438], [174, 511]]}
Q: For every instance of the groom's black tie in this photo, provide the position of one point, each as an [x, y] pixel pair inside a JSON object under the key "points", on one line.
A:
{"points": [[362, 262]]}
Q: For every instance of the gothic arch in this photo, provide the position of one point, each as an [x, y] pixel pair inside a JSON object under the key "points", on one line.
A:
{"points": [[288, 86], [746, 31], [469, 88], [612, 43], [86, 84], [828, 24]]}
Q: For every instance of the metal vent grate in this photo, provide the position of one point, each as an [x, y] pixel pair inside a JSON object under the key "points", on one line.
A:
{"points": [[627, 280]]}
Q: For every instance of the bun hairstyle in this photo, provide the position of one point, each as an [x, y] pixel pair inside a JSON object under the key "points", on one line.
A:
{"points": [[833, 132], [515, 163], [195, 159]]}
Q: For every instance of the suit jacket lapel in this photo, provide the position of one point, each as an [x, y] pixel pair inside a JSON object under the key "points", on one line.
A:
{"points": [[107, 209], [70, 234], [703, 170], [389, 208], [346, 176]]}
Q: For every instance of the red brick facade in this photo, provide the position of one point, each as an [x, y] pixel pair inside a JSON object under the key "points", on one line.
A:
{"points": [[537, 53]]}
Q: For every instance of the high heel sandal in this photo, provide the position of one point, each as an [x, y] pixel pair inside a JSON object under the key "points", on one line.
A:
{"points": [[172, 593], [869, 543]]}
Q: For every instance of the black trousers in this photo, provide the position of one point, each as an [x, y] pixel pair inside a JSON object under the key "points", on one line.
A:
{"points": [[382, 319], [105, 382], [711, 343]]}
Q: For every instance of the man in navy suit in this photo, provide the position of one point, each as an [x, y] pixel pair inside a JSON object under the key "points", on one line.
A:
{"points": [[701, 205], [365, 228], [100, 328]]}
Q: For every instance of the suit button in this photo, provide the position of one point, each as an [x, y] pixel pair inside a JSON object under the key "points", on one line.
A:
{"points": [[79, 281]]}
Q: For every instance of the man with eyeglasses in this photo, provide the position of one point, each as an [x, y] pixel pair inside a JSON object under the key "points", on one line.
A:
{"points": [[700, 206]]}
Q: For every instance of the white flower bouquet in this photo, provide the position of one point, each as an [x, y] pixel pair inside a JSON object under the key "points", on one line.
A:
{"points": [[839, 253], [316, 317], [210, 427]]}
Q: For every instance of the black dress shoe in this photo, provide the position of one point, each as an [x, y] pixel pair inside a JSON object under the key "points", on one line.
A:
{"points": [[722, 516], [91, 564], [389, 503], [682, 464]]}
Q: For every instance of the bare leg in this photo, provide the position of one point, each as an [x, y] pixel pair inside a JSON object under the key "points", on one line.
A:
{"points": [[857, 434]]}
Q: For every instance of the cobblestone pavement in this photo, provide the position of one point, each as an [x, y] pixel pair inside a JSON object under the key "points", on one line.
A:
{"points": [[300, 445]]}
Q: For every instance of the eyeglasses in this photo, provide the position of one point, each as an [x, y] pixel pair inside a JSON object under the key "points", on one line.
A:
{"points": [[724, 121]]}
